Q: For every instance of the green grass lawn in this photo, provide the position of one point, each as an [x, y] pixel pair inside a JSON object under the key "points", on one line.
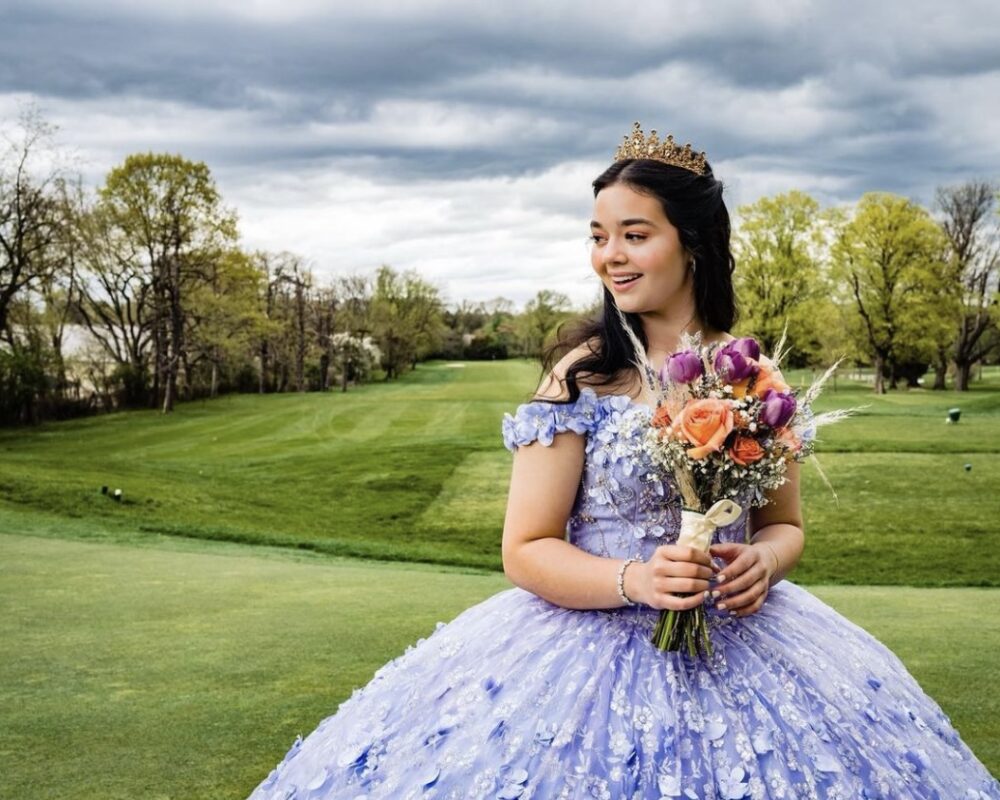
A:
{"points": [[140, 657], [185, 669], [415, 471]]}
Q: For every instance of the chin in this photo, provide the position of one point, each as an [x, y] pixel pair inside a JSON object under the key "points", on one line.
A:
{"points": [[630, 304]]}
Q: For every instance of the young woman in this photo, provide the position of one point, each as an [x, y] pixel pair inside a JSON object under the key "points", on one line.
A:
{"points": [[553, 689]]}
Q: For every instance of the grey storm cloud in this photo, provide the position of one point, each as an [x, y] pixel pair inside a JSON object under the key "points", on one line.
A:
{"points": [[334, 62], [285, 98], [330, 64]]}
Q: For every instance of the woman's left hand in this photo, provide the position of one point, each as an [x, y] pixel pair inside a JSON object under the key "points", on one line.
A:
{"points": [[748, 572]]}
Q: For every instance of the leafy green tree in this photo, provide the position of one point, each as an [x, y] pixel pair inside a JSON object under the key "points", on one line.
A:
{"points": [[780, 276], [540, 319], [171, 214], [498, 333], [224, 320], [407, 318], [889, 256]]}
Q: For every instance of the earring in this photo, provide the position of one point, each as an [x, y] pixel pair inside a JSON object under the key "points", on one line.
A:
{"points": [[692, 265]]}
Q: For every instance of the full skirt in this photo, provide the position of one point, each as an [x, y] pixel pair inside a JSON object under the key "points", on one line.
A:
{"points": [[520, 698]]}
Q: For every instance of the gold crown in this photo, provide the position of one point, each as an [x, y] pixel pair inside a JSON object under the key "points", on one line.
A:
{"points": [[637, 145]]}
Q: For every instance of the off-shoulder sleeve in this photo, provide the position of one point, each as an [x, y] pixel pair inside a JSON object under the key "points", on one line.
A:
{"points": [[541, 421]]}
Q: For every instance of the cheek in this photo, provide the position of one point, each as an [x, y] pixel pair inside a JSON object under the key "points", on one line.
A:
{"points": [[595, 261], [670, 265]]}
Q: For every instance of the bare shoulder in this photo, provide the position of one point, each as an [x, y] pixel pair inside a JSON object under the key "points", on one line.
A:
{"points": [[553, 385]]}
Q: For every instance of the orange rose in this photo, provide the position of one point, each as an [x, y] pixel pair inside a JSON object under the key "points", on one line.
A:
{"points": [[746, 450], [661, 418], [705, 424], [769, 378]]}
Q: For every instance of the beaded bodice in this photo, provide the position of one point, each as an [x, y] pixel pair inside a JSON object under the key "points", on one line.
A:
{"points": [[622, 507]]}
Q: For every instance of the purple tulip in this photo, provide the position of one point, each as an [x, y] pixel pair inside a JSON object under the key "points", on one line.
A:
{"points": [[732, 365], [776, 408], [746, 347], [683, 367]]}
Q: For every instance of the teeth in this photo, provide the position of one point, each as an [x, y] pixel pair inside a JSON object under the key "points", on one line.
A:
{"points": [[625, 278]]}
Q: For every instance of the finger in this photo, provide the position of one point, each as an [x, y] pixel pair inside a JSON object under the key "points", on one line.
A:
{"points": [[726, 550], [752, 573], [681, 569], [745, 598], [676, 552], [680, 585], [728, 553], [752, 608], [737, 565], [681, 603]]}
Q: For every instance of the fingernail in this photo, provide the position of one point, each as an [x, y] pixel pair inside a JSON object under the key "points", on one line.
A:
{"points": [[721, 607], [716, 594], [720, 577], [732, 613]]}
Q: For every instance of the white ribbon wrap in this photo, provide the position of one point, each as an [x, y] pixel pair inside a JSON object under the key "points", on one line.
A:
{"points": [[697, 527]]}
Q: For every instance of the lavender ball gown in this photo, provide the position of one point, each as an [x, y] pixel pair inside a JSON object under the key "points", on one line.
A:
{"points": [[517, 698]]}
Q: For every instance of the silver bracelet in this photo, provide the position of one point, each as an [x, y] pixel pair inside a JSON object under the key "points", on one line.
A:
{"points": [[621, 580]]}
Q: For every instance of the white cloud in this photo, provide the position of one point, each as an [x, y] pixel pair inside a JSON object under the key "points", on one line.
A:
{"points": [[476, 238]]}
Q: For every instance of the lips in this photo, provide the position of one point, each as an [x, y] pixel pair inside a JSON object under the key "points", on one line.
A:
{"points": [[625, 280]]}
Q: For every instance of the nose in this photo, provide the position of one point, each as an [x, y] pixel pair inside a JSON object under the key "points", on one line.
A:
{"points": [[613, 252]]}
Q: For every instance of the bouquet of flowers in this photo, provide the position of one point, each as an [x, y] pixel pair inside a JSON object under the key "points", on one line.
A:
{"points": [[725, 427]]}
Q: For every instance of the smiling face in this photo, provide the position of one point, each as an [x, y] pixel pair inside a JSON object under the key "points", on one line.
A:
{"points": [[638, 255]]}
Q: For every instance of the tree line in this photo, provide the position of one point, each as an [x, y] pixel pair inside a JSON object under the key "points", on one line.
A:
{"points": [[139, 292], [888, 283]]}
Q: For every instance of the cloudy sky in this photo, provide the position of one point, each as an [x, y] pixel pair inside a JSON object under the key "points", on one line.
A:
{"points": [[460, 138]]}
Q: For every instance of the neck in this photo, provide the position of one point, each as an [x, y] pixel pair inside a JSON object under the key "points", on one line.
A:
{"points": [[665, 327]]}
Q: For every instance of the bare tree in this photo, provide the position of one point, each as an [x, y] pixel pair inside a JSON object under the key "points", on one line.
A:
{"points": [[29, 214], [974, 239], [114, 298], [285, 287], [353, 320], [324, 312]]}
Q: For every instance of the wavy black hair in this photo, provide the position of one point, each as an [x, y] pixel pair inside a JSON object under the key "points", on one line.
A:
{"points": [[693, 204]]}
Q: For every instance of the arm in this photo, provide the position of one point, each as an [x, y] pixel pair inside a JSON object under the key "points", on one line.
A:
{"points": [[778, 526], [776, 547], [536, 556]]}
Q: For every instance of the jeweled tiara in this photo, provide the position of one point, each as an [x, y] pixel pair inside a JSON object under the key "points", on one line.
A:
{"points": [[637, 145]]}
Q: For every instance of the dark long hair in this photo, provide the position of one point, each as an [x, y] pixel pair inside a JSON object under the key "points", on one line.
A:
{"points": [[693, 204]]}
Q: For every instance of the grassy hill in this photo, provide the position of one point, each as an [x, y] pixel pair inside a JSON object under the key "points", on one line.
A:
{"points": [[415, 471]]}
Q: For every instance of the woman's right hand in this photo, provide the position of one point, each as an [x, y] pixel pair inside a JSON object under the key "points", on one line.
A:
{"points": [[671, 571]]}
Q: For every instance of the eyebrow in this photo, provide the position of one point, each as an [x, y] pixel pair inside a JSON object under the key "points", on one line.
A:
{"points": [[626, 222]]}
